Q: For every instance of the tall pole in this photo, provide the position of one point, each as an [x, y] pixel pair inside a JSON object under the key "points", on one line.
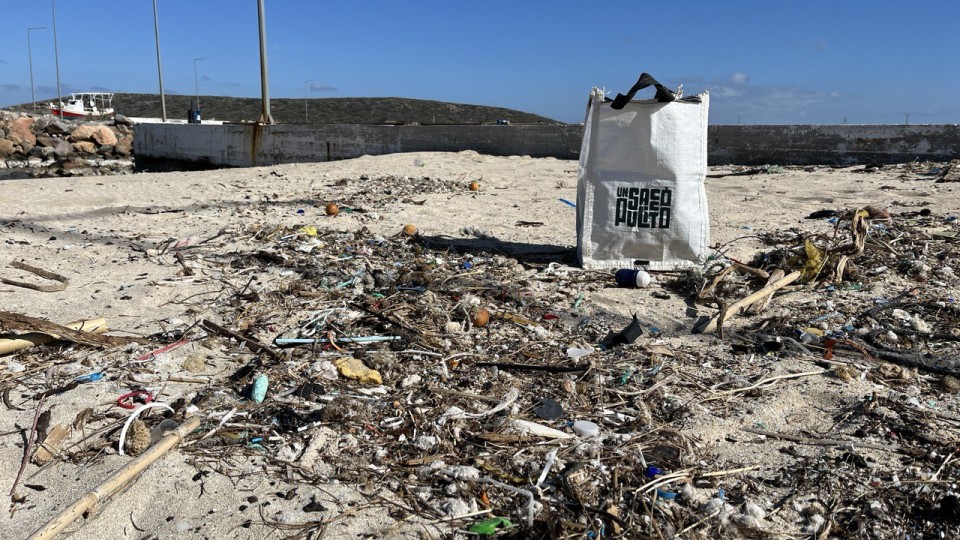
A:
{"points": [[196, 83], [56, 55], [33, 98], [156, 33], [265, 117], [305, 100]]}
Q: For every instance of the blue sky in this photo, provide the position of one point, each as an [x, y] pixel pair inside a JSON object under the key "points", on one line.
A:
{"points": [[764, 62]]}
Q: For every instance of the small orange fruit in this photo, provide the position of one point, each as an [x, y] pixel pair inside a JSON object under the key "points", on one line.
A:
{"points": [[409, 229], [481, 318], [474, 186], [332, 209]]}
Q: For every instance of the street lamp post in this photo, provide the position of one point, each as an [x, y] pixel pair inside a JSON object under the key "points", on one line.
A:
{"points": [[156, 33], [56, 56], [33, 98], [196, 83], [265, 116], [305, 100]]}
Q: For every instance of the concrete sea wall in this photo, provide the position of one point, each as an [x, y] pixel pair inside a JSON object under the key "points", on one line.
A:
{"points": [[244, 145], [832, 145]]}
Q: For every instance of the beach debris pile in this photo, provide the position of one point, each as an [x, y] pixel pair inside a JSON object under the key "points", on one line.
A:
{"points": [[467, 388]]}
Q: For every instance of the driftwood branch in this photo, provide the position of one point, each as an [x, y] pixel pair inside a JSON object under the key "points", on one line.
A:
{"points": [[27, 448], [63, 281], [761, 382], [762, 304], [116, 482], [822, 442], [253, 344], [735, 308]]}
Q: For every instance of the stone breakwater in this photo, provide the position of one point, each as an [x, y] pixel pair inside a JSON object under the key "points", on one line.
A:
{"points": [[43, 146]]}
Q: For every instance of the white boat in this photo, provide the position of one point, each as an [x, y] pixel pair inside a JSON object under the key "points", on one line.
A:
{"points": [[85, 105]]}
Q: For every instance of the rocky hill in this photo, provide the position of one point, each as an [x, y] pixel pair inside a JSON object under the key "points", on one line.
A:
{"points": [[387, 110]]}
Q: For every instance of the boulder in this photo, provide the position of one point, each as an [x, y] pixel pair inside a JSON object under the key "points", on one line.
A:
{"points": [[85, 147], [104, 136], [82, 133], [74, 165], [124, 146], [121, 120], [6, 148], [20, 133], [63, 150], [57, 127], [105, 151], [47, 141]]}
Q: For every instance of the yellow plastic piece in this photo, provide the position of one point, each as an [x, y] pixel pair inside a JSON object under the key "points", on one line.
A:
{"points": [[352, 368]]}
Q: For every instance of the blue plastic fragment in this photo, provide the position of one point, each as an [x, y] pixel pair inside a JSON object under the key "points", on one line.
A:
{"points": [[668, 495], [652, 471], [564, 201], [259, 390], [721, 494], [467, 265], [92, 377]]}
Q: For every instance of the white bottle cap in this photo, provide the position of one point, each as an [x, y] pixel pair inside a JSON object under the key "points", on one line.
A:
{"points": [[643, 279], [585, 428]]}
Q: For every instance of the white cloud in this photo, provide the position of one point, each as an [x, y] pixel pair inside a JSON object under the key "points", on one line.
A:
{"points": [[739, 78]]}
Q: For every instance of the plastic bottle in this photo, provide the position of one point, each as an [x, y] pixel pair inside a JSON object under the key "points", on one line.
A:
{"points": [[628, 277]]}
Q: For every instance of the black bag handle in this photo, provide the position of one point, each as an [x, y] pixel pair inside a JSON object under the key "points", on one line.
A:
{"points": [[663, 93]]}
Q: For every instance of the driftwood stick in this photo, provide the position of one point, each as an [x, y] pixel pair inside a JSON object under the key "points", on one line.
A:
{"points": [[119, 479], [762, 274], [63, 281], [187, 271], [27, 448], [821, 442], [762, 304], [728, 472], [708, 290], [740, 304], [253, 344], [762, 382]]}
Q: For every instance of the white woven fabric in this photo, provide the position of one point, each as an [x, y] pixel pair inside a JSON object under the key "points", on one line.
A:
{"points": [[640, 194]]}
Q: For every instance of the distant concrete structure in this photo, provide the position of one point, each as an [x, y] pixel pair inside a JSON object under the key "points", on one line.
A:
{"points": [[832, 144], [246, 145], [158, 146]]}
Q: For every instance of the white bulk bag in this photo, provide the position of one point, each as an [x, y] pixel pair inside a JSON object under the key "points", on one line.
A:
{"points": [[640, 194]]}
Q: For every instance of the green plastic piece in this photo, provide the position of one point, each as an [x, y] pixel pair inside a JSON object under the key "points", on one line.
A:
{"points": [[489, 526]]}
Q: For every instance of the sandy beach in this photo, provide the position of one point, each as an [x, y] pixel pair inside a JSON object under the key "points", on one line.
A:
{"points": [[126, 242]]}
